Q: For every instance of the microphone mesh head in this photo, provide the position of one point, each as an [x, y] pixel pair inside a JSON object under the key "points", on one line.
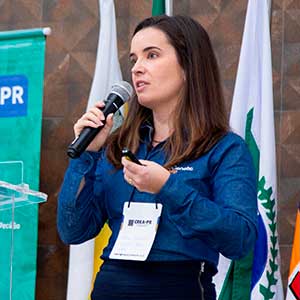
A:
{"points": [[123, 89]]}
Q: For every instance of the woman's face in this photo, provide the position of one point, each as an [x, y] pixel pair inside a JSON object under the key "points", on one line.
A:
{"points": [[156, 74]]}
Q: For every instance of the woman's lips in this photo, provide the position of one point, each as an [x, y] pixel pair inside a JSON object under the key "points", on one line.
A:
{"points": [[140, 85]]}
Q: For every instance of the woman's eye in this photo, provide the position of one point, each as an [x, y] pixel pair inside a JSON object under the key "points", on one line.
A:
{"points": [[152, 55], [132, 61]]}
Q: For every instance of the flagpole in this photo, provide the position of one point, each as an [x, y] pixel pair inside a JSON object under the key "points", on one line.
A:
{"points": [[169, 7], [270, 8]]}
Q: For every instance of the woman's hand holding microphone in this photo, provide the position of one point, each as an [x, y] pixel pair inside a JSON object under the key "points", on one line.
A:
{"points": [[93, 118]]}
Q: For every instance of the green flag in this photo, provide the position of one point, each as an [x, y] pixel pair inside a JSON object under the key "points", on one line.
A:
{"points": [[22, 55], [158, 7]]}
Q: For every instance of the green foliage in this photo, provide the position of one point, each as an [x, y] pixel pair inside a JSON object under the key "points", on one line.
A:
{"points": [[264, 195]]}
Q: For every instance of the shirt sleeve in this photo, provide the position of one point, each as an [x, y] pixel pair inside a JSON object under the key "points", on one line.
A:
{"points": [[226, 220], [81, 215]]}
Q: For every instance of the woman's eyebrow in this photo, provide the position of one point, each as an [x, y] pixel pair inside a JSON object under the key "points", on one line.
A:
{"points": [[145, 50]]}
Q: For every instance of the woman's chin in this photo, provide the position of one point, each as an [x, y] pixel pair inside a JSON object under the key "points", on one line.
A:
{"points": [[145, 102]]}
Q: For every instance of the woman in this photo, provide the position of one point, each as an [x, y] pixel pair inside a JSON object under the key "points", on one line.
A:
{"points": [[196, 181]]}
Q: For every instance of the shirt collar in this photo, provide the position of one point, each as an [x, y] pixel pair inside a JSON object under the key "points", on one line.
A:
{"points": [[146, 131]]}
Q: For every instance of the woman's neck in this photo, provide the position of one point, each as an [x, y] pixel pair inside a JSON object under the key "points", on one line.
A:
{"points": [[162, 126]]}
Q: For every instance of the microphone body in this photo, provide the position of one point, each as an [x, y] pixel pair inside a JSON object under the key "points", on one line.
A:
{"points": [[114, 101]]}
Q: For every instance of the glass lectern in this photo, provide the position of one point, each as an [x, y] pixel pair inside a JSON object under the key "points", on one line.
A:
{"points": [[14, 193]]}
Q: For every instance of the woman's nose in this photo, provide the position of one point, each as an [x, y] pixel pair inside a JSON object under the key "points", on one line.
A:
{"points": [[138, 68]]}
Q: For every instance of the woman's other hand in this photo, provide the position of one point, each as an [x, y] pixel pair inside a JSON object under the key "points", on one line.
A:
{"points": [[150, 177]]}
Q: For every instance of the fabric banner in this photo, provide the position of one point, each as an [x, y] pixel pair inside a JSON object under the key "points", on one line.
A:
{"points": [[22, 55], [257, 276], [293, 288]]}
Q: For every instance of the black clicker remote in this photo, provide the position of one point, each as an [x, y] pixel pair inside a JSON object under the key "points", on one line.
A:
{"points": [[130, 156]]}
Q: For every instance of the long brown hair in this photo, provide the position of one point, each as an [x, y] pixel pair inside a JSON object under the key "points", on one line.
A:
{"points": [[201, 118]]}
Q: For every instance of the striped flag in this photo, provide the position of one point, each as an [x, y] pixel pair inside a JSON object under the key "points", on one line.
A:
{"points": [[293, 288], [258, 274], [82, 265]]}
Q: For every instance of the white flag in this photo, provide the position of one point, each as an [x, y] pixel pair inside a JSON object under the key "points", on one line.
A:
{"points": [[252, 117], [107, 72]]}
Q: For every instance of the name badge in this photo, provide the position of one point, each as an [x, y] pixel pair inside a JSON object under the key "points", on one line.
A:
{"points": [[137, 232]]}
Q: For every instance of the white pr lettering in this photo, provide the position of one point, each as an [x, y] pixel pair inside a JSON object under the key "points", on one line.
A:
{"points": [[4, 94], [17, 95]]}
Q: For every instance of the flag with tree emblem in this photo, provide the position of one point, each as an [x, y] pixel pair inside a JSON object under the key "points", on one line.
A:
{"points": [[256, 276]]}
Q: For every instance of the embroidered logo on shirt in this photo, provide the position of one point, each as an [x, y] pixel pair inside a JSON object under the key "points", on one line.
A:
{"points": [[176, 169], [184, 168]]}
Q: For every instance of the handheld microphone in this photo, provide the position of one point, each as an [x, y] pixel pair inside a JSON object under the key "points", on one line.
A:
{"points": [[118, 95]]}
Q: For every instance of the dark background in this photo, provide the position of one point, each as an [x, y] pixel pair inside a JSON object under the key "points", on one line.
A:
{"points": [[70, 61]]}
